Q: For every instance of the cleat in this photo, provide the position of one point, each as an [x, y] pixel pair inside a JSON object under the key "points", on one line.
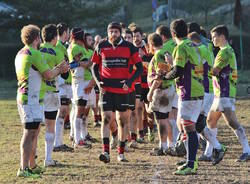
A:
{"points": [[151, 137], [205, 158], [83, 144], [121, 158], [140, 140], [185, 165], [63, 148], [38, 170], [51, 163], [27, 173], [104, 157], [170, 151], [90, 138], [113, 142], [218, 154], [133, 144], [157, 152], [243, 158], [185, 170], [126, 148], [97, 124]]}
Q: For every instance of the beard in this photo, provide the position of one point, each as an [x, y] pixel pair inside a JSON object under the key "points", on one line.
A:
{"points": [[114, 40]]}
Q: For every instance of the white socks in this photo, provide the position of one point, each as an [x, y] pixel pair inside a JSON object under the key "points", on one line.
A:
{"points": [[49, 142], [77, 129], [59, 132], [175, 131], [241, 135], [84, 129], [163, 145], [72, 119], [211, 136]]}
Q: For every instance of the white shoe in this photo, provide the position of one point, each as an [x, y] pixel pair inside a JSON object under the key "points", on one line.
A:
{"points": [[50, 163], [121, 158], [113, 143]]}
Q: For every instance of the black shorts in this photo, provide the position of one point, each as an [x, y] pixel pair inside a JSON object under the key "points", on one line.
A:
{"points": [[132, 101], [138, 91], [114, 102], [31, 125], [65, 101], [160, 115], [96, 88], [144, 93], [50, 115]]}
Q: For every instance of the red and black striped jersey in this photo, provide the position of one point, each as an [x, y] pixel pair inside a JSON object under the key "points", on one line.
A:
{"points": [[115, 64]]}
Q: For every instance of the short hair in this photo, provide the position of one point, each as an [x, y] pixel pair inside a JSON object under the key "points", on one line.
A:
{"points": [[77, 33], [155, 40], [132, 26], [61, 27], [193, 27], [115, 25], [29, 33], [221, 30], [87, 34], [164, 31], [179, 28], [137, 30], [49, 32], [194, 36], [127, 31], [123, 25], [203, 32]]}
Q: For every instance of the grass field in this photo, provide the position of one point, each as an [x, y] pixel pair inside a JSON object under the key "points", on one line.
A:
{"points": [[83, 166]]}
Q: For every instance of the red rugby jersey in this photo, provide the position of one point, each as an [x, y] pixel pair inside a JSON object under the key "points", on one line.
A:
{"points": [[115, 64]]}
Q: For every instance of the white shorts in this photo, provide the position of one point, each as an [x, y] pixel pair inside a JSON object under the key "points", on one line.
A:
{"points": [[175, 100], [65, 91], [31, 113], [162, 100], [220, 104], [92, 99], [207, 103], [189, 110], [78, 90], [51, 101]]}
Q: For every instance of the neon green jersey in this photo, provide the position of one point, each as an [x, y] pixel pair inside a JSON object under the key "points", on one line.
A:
{"points": [[225, 83], [73, 50], [29, 67], [207, 59], [61, 47], [169, 46], [190, 85], [153, 68], [53, 57], [87, 72]]}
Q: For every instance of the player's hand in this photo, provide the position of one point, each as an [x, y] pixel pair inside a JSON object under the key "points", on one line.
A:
{"points": [[150, 96], [87, 90], [125, 87], [169, 58], [141, 53], [101, 89], [64, 67]]}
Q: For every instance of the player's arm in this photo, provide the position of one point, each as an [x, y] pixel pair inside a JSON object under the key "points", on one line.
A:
{"points": [[96, 60], [137, 73], [178, 69], [59, 69], [219, 63]]}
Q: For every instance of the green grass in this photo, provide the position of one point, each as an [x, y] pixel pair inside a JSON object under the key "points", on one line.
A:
{"points": [[83, 166]]}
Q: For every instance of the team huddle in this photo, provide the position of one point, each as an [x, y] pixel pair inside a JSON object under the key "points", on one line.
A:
{"points": [[171, 81]]}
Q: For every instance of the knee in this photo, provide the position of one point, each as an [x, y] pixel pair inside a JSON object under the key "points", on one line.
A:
{"points": [[62, 113]]}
